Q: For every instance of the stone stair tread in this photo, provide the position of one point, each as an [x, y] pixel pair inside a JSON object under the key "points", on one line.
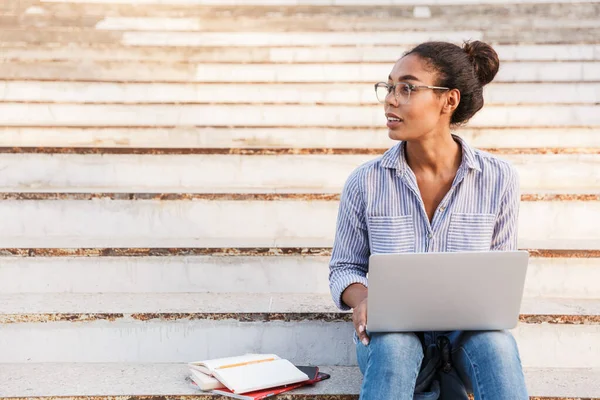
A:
{"points": [[116, 52], [304, 2], [166, 72], [70, 241], [230, 303], [303, 93], [186, 115], [303, 10], [273, 138], [169, 379]]}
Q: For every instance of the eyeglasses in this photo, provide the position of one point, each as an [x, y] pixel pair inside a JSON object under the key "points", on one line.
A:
{"points": [[402, 91]]}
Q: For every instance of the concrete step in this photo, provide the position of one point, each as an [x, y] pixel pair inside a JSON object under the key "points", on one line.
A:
{"points": [[31, 307], [310, 23], [283, 19], [416, 18], [303, 17], [140, 38], [314, 2], [173, 327], [307, 93], [562, 139], [551, 274], [94, 115], [161, 72], [324, 54], [511, 71], [223, 39], [235, 220], [169, 380], [223, 173]]}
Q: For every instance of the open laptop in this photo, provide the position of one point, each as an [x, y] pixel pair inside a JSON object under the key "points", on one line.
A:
{"points": [[414, 292]]}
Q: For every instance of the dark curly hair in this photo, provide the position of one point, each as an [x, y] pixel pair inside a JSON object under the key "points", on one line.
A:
{"points": [[467, 69]]}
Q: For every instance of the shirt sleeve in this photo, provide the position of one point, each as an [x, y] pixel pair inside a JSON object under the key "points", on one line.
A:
{"points": [[350, 256], [506, 228]]}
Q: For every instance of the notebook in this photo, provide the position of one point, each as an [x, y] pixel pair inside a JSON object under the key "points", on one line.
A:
{"points": [[251, 372], [205, 382]]}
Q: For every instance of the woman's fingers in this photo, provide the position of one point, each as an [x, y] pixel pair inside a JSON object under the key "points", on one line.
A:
{"points": [[362, 334], [360, 318]]}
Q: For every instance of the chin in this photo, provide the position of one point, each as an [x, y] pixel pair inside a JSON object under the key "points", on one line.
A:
{"points": [[397, 135]]}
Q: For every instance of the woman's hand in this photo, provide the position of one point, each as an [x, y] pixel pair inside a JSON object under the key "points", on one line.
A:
{"points": [[359, 318], [355, 296]]}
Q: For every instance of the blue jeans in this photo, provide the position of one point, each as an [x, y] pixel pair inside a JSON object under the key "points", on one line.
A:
{"points": [[487, 362]]}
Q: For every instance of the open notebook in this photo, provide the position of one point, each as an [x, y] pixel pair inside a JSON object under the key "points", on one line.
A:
{"points": [[251, 372]]}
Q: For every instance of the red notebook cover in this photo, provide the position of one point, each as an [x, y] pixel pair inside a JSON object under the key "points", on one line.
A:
{"points": [[263, 394]]}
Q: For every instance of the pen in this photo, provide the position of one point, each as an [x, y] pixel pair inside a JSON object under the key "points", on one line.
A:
{"points": [[246, 363]]}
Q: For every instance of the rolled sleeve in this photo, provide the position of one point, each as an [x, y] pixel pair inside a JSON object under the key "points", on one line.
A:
{"points": [[350, 256], [506, 228]]}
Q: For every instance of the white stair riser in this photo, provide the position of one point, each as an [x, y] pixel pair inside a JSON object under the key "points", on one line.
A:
{"points": [[538, 52], [219, 39], [265, 38], [252, 173], [313, 342], [313, 306], [282, 137], [509, 72], [212, 223], [313, 21], [281, 73], [519, 52], [164, 274], [550, 93], [547, 277], [150, 24], [563, 277], [175, 341], [15, 114], [311, 2]]}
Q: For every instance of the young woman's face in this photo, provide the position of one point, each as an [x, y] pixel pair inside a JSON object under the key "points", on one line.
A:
{"points": [[423, 112]]}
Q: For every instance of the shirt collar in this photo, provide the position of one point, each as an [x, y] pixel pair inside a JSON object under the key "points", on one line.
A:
{"points": [[395, 157]]}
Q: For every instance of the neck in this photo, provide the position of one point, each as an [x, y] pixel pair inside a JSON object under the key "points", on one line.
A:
{"points": [[435, 154]]}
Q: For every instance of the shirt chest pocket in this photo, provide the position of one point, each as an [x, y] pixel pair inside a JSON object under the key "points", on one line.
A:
{"points": [[391, 234], [470, 232]]}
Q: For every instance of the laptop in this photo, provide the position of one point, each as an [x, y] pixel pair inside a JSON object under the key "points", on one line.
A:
{"points": [[414, 292]]}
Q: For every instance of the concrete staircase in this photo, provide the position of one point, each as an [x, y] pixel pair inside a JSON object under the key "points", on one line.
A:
{"points": [[170, 171]]}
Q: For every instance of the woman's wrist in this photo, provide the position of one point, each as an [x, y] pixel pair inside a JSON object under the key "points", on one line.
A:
{"points": [[354, 295]]}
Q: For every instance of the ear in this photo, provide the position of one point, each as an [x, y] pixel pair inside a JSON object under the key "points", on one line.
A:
{"points": [[452, 101]]}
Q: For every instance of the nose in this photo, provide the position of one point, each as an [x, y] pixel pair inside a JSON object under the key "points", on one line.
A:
{"points": [[390, 99]]}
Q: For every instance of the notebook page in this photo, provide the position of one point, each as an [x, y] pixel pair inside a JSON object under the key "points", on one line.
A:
{"points": [[264, 375], [208, 366]]}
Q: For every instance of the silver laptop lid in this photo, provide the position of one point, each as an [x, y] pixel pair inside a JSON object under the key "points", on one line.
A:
{"points": [[445, 291]]}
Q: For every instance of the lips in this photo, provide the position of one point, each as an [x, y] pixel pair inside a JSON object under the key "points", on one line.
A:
{"points": [[393, 117], [393, 120]]}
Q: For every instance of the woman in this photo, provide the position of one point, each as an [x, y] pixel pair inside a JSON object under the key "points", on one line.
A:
{"points": [[431, 192]]}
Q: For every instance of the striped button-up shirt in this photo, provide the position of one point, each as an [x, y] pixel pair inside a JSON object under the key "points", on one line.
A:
{"points": [[381, 211]]}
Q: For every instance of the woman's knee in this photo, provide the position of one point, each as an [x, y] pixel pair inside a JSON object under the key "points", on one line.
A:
{"points": [[391, 354], [404, 345], [498, 347], [489, 365]]}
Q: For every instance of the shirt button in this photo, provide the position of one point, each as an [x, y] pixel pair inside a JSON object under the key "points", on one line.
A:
{"points": [[442, 208], [430, 235]]}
